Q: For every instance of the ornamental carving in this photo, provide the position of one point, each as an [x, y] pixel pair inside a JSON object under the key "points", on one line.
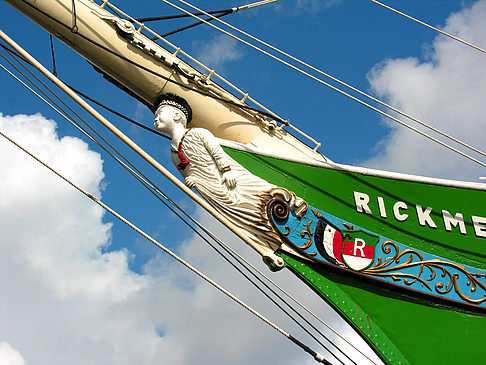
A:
{"points": [[332, 242], [436, 275]]}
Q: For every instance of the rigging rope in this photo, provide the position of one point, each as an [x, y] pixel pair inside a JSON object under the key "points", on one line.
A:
{"points": [[338, 81], [318, 357], [140, 179], [185, 86], [232, 10], [58, 109], [54, 71], [178, 16], [157, 192], [138, 124], [255, 4], [191, 25], [429, 26]]}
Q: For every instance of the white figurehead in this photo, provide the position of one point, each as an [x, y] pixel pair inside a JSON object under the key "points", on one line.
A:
{"points": [[221, 181], [172, 117]]}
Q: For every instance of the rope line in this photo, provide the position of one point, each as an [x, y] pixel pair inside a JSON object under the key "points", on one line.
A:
{"points": [[429, 26], [54, 71], [191, 25], [255, 4], [330, 77], [318, 357], [177, 16], [138, 124], [253, 109], [158, 193], [58, 109]]}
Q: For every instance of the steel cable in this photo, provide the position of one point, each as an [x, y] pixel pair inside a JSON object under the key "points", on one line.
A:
{"points": [[157, 192]]}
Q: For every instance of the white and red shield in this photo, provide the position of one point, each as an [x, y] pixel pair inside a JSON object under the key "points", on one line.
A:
{"points": [[358, 249]]}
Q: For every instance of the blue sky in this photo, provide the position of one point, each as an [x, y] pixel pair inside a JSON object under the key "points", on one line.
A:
{"points": [[99, 280]]}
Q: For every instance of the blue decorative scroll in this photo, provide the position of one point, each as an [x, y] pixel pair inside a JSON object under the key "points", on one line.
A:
{"points": [[324, 238]]}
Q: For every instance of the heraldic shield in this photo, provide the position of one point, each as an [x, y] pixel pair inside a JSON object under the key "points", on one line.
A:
{"points": [[358, 250]]}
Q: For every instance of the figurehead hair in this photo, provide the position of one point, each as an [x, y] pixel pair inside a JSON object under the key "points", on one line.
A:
{"points": [[176, 101]]}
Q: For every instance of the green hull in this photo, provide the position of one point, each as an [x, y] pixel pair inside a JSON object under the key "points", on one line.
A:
{"points": [[400, 325]]}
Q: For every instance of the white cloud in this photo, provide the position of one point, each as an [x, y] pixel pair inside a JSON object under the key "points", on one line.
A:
{"points": [[218, 51], [9, 355], [446, 91], [66, 300], [61, 294]]}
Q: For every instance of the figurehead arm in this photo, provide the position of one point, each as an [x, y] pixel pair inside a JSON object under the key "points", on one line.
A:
{"points": [[222, 160]]}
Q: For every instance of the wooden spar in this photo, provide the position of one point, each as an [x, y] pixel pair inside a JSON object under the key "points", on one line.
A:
{"points": [[269, 257]]}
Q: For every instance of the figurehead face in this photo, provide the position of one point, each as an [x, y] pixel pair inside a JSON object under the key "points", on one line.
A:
{"points": [[168, 117], [171, 108]]}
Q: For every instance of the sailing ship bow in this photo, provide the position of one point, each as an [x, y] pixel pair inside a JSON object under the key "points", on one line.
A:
{"points": [[402, 258]]}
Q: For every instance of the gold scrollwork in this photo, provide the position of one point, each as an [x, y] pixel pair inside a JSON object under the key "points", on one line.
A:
{"points": [[304, 233], [433, 266]]}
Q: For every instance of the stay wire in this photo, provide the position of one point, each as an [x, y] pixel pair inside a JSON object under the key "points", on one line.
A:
{"points": [[216, 13], [247, 107], [138, 124], [255, 4], [191, 25], [157, 193], [54, 71], [362, 93], [58, 108], [79, 127], [429, 26], [178, 16], [318, 357]]}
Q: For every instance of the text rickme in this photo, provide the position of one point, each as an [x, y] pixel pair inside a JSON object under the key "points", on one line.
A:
{"points": [[401, 211]]}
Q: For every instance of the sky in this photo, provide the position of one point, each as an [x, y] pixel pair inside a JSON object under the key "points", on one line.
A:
{"points": [[79, 287]]}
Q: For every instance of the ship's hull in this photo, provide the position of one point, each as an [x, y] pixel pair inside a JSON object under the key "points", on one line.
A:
{"points": [[403, 322]]}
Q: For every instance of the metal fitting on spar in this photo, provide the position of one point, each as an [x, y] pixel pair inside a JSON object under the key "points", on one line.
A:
{"points": [[127, 30]]}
